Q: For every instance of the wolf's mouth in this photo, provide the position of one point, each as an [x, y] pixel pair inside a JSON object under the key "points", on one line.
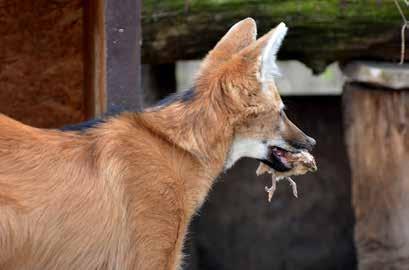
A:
{"points": [[279, 159]]}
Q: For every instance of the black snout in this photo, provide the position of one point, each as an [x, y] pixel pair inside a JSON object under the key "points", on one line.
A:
{"points": [[307, 143]]}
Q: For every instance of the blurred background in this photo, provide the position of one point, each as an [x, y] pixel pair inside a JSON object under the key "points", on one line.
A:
{"points": [[67, 61]]}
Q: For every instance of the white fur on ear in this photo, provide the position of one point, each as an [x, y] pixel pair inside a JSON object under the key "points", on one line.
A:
{"points": [[269, 68]]}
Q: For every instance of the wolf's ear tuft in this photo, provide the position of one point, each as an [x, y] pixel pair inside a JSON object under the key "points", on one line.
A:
{"points": [[269, 68], [240, 35]]}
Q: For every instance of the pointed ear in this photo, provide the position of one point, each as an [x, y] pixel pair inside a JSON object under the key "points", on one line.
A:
{"points": [[269, 68], [267, 48], [240, 35]]}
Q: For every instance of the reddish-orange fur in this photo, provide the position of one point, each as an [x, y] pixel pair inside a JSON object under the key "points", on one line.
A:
{"points": [[121, 195]]}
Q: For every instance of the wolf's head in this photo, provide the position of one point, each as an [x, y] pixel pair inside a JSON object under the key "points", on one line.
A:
{"points": [[243, 68]]}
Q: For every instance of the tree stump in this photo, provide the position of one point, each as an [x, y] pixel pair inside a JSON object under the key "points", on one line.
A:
{"points": [[377, 135]]}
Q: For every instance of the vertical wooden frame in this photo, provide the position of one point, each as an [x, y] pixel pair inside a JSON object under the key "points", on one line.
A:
{"points": [[94, 58], [123, 72], [112, 56]]}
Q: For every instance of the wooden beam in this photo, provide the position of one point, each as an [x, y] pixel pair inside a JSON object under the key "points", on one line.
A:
{"points": [[123, 42], [377, 134], [113, 69], [320, 32], [390, 76]]}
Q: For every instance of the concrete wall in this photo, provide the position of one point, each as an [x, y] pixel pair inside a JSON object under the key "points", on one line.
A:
{"points": [[297, 78]]}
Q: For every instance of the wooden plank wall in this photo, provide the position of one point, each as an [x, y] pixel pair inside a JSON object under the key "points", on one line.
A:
{"points": [[62, 62], [41, 61]]}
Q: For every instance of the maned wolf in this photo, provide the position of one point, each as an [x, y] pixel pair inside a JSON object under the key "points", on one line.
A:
{"points": [[120, 195]]}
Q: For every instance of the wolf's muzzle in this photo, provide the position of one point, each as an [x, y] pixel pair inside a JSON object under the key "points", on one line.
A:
{"points": [[308, 143]]}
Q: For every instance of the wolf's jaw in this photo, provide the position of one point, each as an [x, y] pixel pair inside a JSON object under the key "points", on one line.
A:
{"points": [[244, 147], [252, 148], [258, 149]]}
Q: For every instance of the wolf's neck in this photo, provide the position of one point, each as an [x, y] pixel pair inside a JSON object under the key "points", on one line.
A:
{"points": [[199, 128]]}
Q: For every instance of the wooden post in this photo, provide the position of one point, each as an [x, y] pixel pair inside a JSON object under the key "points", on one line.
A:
{"points": [[113, 69], [377, 134]]}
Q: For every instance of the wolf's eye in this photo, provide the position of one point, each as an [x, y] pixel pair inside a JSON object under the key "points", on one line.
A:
{"points": [[282, 113]]}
